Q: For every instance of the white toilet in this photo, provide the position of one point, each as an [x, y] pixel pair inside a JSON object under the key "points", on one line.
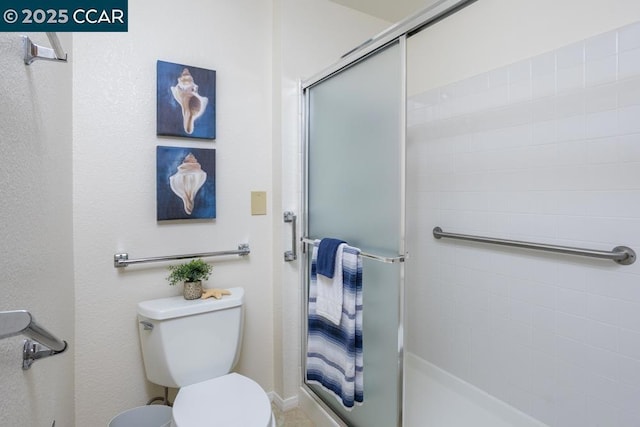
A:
{"points": [[193, 345]]}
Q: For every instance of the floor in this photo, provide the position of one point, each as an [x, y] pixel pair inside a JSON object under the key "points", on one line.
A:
{"points": [[292, 418]]}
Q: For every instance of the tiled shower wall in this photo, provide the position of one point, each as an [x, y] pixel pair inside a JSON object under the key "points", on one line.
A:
{"points": [[543, 150]]}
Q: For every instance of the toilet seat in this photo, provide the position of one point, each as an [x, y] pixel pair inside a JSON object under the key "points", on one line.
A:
{"points": [[228, 401]]}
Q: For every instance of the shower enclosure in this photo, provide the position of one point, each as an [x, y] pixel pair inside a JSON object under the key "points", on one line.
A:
{"points": [[537, 144]]}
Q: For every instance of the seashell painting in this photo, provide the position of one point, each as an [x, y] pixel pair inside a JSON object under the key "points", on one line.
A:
{"points": [[186, 103], [185, 183]]}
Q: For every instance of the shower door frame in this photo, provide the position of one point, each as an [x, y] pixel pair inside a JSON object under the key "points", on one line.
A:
{"points": [[397, 33]]}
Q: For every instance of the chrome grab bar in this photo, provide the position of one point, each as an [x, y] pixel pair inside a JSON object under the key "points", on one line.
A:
{"points": [[292, 255], [122, 260], [620, 254], [21, 322], [381, 258]]}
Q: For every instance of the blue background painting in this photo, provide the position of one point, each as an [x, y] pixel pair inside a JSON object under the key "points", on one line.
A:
{"points": [[169, 204], [169, 112]]}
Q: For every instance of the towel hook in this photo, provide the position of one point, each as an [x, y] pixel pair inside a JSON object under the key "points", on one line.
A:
{"points": [[33, 51]]}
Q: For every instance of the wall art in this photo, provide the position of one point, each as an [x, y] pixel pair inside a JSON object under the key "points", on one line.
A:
{"points": [[186, 183], [186, 101]]}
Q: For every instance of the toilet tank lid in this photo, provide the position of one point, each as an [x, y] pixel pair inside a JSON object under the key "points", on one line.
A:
{"points": [[172, 307]]}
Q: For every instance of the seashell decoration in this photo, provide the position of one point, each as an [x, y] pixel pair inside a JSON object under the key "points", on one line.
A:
{"points": [[193, 105], [187, 181]]}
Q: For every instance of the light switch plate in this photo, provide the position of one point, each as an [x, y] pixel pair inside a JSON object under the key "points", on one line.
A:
{"points": [[258, 203]]}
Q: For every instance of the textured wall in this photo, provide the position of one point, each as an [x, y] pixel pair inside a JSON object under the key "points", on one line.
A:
{"points": [[543, 149], [115, 191], [36, 256]]}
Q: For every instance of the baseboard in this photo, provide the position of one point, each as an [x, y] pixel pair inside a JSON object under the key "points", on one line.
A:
{"points": [[283, 404]]}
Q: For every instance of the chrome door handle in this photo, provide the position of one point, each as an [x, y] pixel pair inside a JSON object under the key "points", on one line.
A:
{"points": [[291, 255]]}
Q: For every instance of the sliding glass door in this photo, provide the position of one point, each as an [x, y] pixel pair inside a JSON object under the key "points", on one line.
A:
{"points": [[354, 191]]}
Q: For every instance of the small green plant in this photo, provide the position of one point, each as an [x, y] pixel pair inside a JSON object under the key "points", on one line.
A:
{"points": [[191, 271]]}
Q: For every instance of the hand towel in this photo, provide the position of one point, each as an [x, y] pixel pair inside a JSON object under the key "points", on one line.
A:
{"points": [[327, 256], [329, 297], [334, 352]]}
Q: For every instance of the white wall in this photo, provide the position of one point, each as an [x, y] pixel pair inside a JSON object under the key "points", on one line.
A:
{"points": [[115, 141], [36, 257], [535, 139], [249, 44]]}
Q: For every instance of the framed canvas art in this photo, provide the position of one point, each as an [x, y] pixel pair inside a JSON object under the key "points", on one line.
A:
{"points": [[186, 101], [186, 183]]}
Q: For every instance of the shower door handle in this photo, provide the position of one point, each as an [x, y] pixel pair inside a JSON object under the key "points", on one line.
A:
{"points": [[291, 255]]}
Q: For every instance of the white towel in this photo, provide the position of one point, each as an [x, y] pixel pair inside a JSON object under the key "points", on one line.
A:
{"points": [[334, 353], [329, 291]]}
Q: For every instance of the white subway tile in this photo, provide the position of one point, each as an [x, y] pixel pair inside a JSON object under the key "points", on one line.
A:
{"points": [[565, 169], [571, 302], [570, 56], [520, 91], [600, 71], [629, 417], [602, 124], [570, 104], [601, 98], [570, 128], [603, 309], [603, 150], [602, 335], [543, 110], [629, 371], [570, 326], [519, 71], [629, 37], [605, 363], [601, 46], [572, 351], [628, 92], [602, 413], [569, 79], [628, 120], [629, 64], [543, 64], [629, 315], [543, 85], [619, 285]]}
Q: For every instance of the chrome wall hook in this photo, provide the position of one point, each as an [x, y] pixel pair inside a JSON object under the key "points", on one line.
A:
{"points": [[33, 51]]}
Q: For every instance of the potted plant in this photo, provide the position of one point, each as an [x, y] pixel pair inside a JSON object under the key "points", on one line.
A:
{"points": [[192, 274]]}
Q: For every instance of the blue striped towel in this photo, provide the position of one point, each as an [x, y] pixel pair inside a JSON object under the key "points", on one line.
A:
{"points": [[334, 352]]}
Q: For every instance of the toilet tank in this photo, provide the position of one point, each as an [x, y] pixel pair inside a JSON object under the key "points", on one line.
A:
{"points": [[188, 341]]}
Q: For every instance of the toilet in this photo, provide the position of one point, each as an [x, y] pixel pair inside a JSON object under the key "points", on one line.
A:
{"points": [[193, 345]]}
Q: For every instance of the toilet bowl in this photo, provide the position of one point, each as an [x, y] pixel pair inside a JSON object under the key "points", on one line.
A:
{"points": [[228, 401], [193, 345]]}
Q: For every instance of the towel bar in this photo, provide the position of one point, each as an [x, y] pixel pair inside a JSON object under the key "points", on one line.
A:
{"points": [[20, 322], [381, 258], [33, 51]]}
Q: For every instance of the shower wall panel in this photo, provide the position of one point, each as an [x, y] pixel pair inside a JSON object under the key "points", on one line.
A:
{"points": [[545, 150]]}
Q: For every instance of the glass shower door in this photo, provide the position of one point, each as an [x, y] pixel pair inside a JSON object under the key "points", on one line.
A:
{"points": [[354, 191]]}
